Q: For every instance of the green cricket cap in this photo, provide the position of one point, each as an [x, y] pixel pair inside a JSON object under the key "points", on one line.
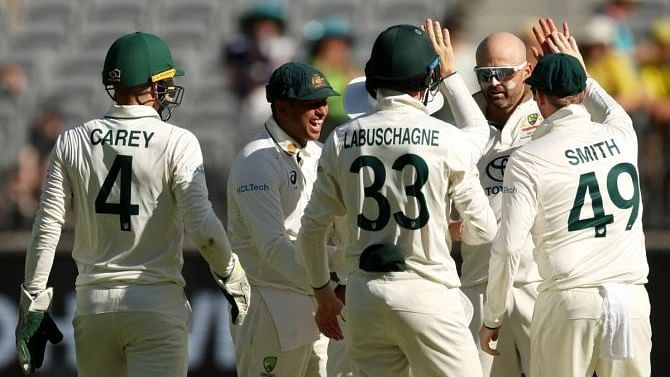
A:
{"points": [[136, 59], [400, 56], [298, 81], [264, 10], [558, 75]]}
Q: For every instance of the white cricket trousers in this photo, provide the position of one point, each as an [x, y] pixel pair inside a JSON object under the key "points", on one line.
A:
{"points": [[258, 352], [131, 344], [514, 340], [397, 321], [567, 330]]}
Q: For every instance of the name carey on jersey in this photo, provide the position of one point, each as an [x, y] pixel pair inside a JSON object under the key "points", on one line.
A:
{"points": [[126, 138]]}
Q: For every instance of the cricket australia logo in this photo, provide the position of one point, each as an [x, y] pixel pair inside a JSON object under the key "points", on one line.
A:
{"points": [[532, 118], [269, 364], [114, 75], [318, 81], [496, 168]]}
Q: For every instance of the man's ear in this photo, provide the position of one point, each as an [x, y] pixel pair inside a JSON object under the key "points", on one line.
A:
{"points": [[527, 70], [280, 107]]}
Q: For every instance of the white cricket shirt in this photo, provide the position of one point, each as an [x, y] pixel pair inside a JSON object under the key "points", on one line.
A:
{"points": [[267, 193], [575, 188], [393, 174], [269, 185], [135, 183], [517, 131]]}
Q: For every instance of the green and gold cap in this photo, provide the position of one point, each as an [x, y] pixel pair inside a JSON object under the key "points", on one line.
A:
{"points": [[558, 75], [298, 81], [400, 57], [136, 59]]}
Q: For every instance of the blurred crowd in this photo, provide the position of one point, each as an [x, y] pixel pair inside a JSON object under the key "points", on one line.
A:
{"points": [[633, 67]]}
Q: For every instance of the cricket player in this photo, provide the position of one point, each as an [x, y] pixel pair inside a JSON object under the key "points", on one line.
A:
{"points": [[513, 116], [393, 174], [135, 184], [269, 185], [575, 189]]}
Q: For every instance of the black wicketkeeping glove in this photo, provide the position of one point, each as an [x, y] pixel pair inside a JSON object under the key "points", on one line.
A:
{"points": [[31, 339]]}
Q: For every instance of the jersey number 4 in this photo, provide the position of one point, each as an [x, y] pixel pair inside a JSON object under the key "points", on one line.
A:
{"points": [[599, 221], [372, 191], [122, 165]]}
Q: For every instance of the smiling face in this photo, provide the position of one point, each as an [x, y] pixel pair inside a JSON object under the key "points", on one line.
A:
{"points": [[503, 50], [302, 120]]}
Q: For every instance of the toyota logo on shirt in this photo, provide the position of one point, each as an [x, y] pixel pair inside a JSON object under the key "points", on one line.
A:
{"points": [[496, 168]]}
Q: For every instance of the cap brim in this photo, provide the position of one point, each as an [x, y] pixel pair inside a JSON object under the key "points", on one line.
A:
{"points": [[532, 81], [319, 94], [357, 100]]}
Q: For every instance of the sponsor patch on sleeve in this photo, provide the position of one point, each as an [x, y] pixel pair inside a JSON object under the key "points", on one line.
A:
{"points": [[252, 187]]}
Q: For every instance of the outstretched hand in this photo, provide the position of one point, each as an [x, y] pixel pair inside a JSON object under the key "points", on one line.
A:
{"points": [[553, 41], [442, 45], [544, 28]]}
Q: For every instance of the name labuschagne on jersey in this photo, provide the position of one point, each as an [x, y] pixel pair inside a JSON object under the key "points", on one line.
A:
{"points": [[391, 136]]}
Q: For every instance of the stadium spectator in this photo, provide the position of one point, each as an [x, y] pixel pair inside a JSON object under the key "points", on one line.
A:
{"points": [[464, 50], [23, 191], [330, 43], [619, 12], [18, 173], [15, 104], [251, 57], [614, 71]]}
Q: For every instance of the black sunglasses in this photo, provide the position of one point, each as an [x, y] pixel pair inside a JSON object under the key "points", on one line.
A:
{"points": [[484, 74]]}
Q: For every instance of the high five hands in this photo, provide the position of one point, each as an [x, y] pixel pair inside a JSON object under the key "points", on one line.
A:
{"points": [[552, 41], [442, 46]]}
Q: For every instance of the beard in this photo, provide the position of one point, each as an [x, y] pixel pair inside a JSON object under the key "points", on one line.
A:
{"points": [[498, 99]]}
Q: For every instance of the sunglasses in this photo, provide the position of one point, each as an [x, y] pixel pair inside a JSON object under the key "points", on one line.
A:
{"points": [[484, 74]]}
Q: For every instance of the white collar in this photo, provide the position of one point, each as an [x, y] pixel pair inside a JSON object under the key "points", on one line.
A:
{"points": [[286, 143], [131, 112]]}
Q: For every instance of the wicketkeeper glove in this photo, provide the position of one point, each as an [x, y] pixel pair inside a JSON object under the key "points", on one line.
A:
{"points": [[35, 327], [236, 289]]}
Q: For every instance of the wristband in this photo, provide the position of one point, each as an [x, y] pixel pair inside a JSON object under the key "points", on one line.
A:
{"points": [[449, 75], [323, 286]]}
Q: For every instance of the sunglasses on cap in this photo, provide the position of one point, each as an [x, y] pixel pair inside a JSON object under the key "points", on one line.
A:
{"points": [[484, 74]]}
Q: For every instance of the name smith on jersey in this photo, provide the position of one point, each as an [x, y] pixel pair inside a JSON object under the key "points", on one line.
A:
{"points": [[590, 153], [391, 136]]}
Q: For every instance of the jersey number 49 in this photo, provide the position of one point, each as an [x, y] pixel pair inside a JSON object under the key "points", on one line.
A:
{"points": [[599, 221]]}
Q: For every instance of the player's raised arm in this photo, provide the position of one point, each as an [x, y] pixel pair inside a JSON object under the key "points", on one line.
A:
{"points": [[479, 221], [602, 107], [468, 117]]}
